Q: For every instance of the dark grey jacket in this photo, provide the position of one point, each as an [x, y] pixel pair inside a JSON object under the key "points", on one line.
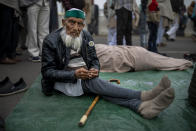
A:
{"points": [[177, 5], [56, 56]]}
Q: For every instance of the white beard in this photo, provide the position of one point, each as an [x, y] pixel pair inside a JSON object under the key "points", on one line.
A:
{"points": [[69, 41]]}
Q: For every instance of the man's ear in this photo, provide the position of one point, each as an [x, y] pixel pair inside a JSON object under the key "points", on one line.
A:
{"points": [[64, 22]]}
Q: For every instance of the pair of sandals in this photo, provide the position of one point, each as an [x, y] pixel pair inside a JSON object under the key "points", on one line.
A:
{"points": [[8, 88]]}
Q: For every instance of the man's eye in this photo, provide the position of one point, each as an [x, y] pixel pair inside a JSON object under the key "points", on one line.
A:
{"points": [[80, 24], [72, 22]]}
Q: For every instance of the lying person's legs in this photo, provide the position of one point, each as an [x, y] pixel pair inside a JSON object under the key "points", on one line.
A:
{"points": [[148, 103]]}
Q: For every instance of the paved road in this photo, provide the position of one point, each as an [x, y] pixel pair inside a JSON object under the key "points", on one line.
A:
{"points": [[29, 71]]}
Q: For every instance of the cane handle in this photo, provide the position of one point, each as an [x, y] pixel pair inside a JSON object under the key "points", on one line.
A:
{"points": [[83, 120], [115, 80]]}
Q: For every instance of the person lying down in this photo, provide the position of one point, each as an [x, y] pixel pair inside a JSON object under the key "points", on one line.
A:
{"points": [[135, 58]]}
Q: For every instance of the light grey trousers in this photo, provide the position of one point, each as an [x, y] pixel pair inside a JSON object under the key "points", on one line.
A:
{"points": [[38, 27], [113, 93]]}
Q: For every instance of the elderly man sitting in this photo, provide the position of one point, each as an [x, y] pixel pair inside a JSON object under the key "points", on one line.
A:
{"points": [[70, 65]]}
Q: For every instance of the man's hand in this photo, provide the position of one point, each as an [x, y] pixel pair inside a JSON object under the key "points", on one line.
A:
{"points": [[92, 73], [82, 73]]}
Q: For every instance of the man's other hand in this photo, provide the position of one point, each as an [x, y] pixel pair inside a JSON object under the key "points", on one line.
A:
{"points": [[93, 73]]}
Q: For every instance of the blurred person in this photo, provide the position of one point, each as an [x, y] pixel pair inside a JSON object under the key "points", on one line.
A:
{"points": [[37, 28], [111, 19], [166, 19], [93, 25], [88, 10], [22, 32], [66, 4], [143, 24], [24, 4], [177, 7], [153, 19], [191, 11], [123, 9], [53, 20], [183, 19], [135, 16], [9, 24], [70, 65], [96, 18]]}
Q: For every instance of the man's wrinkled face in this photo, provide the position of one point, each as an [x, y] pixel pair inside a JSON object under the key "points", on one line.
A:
{"points": [[73, 26]]}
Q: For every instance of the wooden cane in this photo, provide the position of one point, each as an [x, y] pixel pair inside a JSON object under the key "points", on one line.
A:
{"points": [[85, 116]]}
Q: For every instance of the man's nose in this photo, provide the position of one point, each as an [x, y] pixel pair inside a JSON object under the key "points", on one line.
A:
{"points": [[76, 27]]}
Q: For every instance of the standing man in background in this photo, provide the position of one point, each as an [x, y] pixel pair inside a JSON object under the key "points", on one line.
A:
{"points": [[143, 29], [177, 7], [94, 21], [166, 18], [123, 9], [111, 22], [9, 19], [153, 19], [96, 18], [87, 10], [38, 27]]}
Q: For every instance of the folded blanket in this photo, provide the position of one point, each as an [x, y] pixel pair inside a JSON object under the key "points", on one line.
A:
{"points": [[127, 58]]}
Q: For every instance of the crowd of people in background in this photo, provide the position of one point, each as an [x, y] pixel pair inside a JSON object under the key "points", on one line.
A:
{"points": [[25, 23], [157, 19]]}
